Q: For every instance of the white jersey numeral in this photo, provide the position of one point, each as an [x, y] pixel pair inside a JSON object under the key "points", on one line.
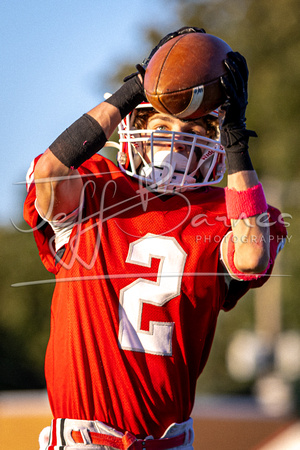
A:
{"points": [[158, 340]]}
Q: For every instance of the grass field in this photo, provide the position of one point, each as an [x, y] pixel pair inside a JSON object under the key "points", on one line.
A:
{"points": [[217, 427]]}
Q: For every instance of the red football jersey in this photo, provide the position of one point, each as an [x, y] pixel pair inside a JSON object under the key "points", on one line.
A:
{"points": [[138, 293]]}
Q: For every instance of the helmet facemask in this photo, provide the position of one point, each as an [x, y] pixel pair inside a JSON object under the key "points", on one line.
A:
{"points": [[168, 170]]}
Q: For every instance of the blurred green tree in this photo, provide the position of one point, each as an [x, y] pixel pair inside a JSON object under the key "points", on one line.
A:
{"points": [[25, 312]]}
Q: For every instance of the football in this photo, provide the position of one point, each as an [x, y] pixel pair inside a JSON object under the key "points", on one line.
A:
{"points": [[183, 76]]}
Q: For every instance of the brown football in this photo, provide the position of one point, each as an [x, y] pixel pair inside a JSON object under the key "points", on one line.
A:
{"points": [[183, 76]]}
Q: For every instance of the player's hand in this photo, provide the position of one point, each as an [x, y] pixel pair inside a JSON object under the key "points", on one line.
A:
{"points": [[184, 30], [235, 85]]}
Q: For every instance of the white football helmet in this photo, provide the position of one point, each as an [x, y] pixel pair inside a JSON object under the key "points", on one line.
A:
{"points": [[169, 170]]}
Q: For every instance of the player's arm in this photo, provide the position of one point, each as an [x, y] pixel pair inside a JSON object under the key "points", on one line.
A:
{"points": [[250, 235], [246, 249], [58, 184]]}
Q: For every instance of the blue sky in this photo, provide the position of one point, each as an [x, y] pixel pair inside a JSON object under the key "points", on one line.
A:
{"points": [[54, 54]]}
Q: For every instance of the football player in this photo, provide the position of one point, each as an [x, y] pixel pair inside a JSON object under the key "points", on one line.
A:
{"points": [[146, 254]]}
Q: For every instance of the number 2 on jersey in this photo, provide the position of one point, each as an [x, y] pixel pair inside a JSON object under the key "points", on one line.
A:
{"points": [[158, 340]]}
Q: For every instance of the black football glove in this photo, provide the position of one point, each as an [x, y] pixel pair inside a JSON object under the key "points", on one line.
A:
{"points": [[235, 85], [233, 132], [141, 68]]}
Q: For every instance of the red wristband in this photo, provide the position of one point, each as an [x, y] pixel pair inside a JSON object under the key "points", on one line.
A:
{"points": [[248, 203]]}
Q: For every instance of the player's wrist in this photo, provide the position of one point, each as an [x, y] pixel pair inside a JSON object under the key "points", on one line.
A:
{"points": [[234, 134], [235, 142], [245, 203], [79, 142], [130, 95]]}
